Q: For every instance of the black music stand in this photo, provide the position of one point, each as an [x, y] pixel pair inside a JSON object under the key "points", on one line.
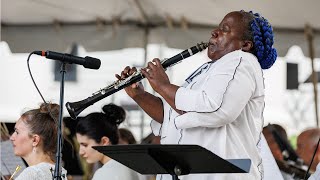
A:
{"points": [[173, 159]]}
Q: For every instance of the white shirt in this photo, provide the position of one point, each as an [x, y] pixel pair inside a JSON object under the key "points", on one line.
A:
{"points": [[316, 174], [112, 170], [270, 167], [41, 171], [224, 104]]}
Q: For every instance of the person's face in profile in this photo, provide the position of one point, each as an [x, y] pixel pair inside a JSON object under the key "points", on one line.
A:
{"points": [[21, 139], [227, 37], [86, 151]]}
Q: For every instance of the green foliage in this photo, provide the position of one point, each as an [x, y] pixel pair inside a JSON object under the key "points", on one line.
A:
{"points": [[293, 141]]}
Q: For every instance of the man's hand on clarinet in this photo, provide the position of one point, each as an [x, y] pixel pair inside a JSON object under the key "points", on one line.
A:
{"points": [[134, 89], [156, 75]]}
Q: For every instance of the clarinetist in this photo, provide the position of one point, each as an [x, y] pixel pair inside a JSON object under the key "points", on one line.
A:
{"points": [[220, 106]]}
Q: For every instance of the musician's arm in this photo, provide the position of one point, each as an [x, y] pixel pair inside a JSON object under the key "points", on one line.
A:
{"points": [[151, 104], [160, 82], [168, 92]]}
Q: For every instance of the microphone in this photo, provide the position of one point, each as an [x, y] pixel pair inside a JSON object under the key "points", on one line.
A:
{"points": [[87, 62]]}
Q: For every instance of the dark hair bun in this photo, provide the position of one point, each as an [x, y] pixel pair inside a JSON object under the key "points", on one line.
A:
{"points": [[115, 113], [50, 107]]}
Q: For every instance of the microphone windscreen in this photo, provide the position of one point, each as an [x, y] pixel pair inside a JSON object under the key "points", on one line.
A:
{"points": [[92, 63]]}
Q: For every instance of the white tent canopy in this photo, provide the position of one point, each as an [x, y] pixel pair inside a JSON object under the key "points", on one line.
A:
{"points": [[290, 14], [101, 25]]}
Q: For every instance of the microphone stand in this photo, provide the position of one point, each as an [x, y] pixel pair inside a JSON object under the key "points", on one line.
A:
{"points": [[57, 169]]}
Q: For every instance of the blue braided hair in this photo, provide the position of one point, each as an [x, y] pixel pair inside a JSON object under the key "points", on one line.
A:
{"points": [[261, 34]]}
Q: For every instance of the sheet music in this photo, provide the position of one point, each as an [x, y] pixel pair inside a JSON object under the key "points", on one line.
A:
{"points": [[9, 161]]}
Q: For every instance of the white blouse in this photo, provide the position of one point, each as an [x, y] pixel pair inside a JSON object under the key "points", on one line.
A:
{"points": [[224, 103], [41, 171], [112, 170], [316, 175]]}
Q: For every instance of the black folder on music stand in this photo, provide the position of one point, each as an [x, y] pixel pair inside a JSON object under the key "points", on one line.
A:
{"points": [[173, 159]]}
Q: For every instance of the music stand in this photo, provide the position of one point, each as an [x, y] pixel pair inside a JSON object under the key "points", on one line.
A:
{"points": [[173, 159]]}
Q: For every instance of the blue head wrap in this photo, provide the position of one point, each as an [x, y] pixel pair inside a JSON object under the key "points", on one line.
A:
{"points": [[262, 37]]}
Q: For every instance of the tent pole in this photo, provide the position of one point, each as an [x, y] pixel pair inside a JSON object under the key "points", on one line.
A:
{"points": [[145, 46], [145, 23], [310, 37]]}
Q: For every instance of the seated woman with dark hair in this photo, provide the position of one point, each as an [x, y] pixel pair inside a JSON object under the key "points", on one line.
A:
{"points": [[101, 129]]}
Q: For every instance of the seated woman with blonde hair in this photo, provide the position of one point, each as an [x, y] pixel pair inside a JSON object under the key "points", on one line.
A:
{"points": [[34, 139]]}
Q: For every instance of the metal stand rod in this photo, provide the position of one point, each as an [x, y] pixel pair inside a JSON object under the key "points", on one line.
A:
{"points": [[175, 177], [177, 171], [57, 169]]}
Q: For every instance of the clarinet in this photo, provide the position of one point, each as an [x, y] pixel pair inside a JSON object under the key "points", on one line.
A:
{"points": [[75, 108]]}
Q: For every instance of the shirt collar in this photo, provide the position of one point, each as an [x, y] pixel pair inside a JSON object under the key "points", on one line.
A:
{"points": [[206, 66]]}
